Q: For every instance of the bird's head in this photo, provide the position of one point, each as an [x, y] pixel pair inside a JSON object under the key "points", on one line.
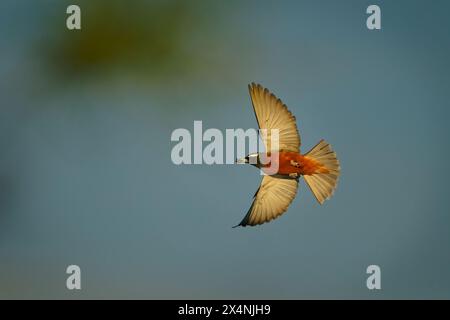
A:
{"points": [[252, 158]]}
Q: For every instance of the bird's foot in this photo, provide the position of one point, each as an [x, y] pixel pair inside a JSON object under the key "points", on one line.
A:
{"points": [[293, 175], [295, 164]]}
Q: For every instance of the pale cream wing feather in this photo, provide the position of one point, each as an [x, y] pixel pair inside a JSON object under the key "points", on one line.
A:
{"points": [[271, 113], [271, 200]]}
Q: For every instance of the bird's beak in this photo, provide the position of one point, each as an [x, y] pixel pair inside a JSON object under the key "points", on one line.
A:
{"points": [[243, 160]]}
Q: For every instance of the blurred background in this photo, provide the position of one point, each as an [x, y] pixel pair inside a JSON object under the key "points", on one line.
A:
{"points": [[86, 176]]}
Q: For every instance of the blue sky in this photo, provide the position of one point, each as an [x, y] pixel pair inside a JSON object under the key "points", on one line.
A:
{"points": [[86, 176]]}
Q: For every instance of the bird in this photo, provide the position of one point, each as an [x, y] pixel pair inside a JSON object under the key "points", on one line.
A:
{"points": [[319, 167]]}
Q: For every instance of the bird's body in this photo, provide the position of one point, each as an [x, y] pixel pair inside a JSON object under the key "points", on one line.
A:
{"points": [[283, 164], [289, 163]]}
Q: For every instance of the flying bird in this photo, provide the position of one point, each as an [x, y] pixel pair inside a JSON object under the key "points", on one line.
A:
{"points": [[319, 166]]}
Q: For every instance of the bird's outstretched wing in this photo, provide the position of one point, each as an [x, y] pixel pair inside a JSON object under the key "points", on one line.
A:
{"points": [[271, 200], [271, 113]]}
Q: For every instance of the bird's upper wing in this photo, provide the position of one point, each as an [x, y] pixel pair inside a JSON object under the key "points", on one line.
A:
{"points": [[271, 113], [271, 200]]}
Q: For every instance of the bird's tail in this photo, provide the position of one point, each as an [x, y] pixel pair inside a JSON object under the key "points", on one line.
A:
{"points": [[324, 180]]}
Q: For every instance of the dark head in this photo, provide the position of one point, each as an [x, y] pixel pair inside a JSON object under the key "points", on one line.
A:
{"points": [[252, 158]]}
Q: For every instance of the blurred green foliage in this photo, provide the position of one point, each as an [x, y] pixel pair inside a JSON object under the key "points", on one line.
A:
{"points": [[140, 36]]}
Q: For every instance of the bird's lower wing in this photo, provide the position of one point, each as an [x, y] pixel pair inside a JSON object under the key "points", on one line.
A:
{"points": [[271, 200]]}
